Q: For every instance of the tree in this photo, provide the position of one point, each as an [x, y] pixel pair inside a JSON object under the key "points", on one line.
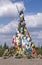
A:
{"points": [[5, 45]]}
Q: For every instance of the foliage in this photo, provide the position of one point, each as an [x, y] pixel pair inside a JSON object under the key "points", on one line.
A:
{"points": [[39, 50], [1, 51], [5, 45]]}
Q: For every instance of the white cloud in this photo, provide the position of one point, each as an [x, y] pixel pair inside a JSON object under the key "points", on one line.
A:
{"points": [[37, 34], [31, 21], [34, 20], [8, 9], [40, 35], [9, 27], [1, 25], [37, 37]]}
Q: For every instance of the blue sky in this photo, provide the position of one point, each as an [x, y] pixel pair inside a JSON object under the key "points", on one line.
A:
{"points": [[32, 7], [9, 16]]}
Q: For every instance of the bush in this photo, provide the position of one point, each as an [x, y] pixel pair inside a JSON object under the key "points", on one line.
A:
{"points": [[39, 51], [1, 52]]}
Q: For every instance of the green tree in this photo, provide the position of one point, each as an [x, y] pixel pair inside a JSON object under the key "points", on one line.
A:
{"points": [[5, 45], [1, 46]]}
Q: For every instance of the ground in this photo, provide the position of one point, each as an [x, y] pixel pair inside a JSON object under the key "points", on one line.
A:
{"points": [[22, 61]]}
